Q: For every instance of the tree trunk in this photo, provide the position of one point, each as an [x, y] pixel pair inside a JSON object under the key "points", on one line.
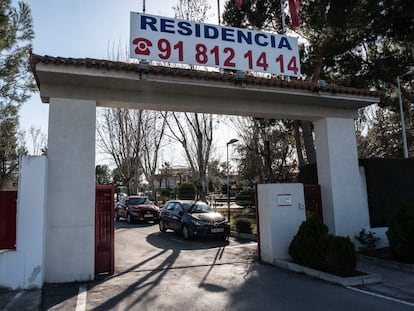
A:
{"points": [[307, 125], [298, 141], [308, 141], [268, 162]]}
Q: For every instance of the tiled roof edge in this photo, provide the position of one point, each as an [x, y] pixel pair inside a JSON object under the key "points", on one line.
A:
{"points": [[195, 74]]}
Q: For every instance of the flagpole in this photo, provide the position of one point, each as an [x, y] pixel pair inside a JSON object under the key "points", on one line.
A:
{"points": [[282, 11], [218, 11], [143, 6]]}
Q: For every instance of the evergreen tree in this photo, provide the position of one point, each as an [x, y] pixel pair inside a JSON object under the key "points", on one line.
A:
{"points": [[16, 83], [364, 43], [103, 175]]}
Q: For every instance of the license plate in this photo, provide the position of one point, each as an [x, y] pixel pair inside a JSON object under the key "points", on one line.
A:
{"points": [[216, 230], [148, 215]]}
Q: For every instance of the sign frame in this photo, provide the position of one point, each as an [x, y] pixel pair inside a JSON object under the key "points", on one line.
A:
{"points": [[181, 41], [284, 199]]}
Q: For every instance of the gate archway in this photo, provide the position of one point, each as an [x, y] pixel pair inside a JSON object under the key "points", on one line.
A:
{"points": [[73, 88]]}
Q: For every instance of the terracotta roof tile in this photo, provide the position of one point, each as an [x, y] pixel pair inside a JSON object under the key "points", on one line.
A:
{"points": [[196, 74]]}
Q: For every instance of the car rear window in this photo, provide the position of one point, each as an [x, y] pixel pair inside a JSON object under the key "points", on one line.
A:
{"points": [[136, 201]]}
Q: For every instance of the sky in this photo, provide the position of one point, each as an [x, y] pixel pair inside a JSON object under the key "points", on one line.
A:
{"points": [[88, 28]]}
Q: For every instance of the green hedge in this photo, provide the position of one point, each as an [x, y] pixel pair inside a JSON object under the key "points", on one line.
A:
{"points": [[243, 226], [186, 191], [401, 233], [308, 246], [314, 247], [340, 255], [245, 198]]}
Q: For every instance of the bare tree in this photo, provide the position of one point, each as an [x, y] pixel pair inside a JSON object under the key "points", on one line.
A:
{"points": [[154, 124], [132, 138], [194, 132], [266, 153], [194, 10], [119, 133], [38, 140]]}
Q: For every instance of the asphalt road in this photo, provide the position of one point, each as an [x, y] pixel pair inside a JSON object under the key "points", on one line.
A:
{"points": [[162, 271]]}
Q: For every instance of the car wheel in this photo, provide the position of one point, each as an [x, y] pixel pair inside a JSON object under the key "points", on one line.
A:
{"points": [[186, 233], [162, 227], [128, 218]]}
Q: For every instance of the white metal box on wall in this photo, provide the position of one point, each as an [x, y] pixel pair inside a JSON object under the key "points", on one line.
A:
{"points": [[281, 211]]}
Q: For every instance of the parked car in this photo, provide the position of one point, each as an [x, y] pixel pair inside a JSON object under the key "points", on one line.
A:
{"points": [[136, 207], [193, 219]]}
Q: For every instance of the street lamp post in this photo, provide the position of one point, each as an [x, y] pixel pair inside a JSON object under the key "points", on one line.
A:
{"points": [[231, 141], [404, 137]]}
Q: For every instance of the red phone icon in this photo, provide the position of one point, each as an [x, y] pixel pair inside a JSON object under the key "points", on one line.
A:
{"points": [[142, 46]]}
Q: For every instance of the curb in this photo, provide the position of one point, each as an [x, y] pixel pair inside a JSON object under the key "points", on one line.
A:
{"points": [[344, 281], [405, 267]]}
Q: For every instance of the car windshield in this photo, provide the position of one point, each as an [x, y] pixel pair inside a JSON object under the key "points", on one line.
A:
{"points": [[136, 201], [201, 208], [187, 206]]}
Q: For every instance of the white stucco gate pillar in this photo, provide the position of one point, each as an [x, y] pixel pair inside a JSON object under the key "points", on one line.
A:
{"points": [[338, 175], [70, 209]]}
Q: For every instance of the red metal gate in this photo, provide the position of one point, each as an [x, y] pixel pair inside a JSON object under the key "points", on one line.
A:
{"points": [[8, 203], [104, 230], [313, 200]]}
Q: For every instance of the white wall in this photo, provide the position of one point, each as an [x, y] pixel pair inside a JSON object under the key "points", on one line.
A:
{"points": [[70, 237], [365, 220], [12, 269], [24, 267], [281, 211]]}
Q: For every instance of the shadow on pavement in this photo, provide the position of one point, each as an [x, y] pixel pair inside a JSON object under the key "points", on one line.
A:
{"points": [[55, 295], [149, 281], [163, 240]]}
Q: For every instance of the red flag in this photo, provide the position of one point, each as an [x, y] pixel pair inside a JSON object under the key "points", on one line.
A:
{"points": [[294, 7], [239, 3]]}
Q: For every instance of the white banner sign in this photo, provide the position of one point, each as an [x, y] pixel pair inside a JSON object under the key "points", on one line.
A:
{"points": [[181, 41]]}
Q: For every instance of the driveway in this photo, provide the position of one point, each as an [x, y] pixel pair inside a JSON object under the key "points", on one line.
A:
{"points": [[162, 271]]}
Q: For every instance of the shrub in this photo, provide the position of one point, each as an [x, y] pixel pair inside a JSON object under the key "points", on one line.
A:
{"points": [[186, 191], [340, 255], [401, 233], [314, 247], [245, 198], [243, 226], [367, 239], [165, 195], [308, 247]]}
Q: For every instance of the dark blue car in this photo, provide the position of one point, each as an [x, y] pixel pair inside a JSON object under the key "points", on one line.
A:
{"points": [[193, 219]]}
